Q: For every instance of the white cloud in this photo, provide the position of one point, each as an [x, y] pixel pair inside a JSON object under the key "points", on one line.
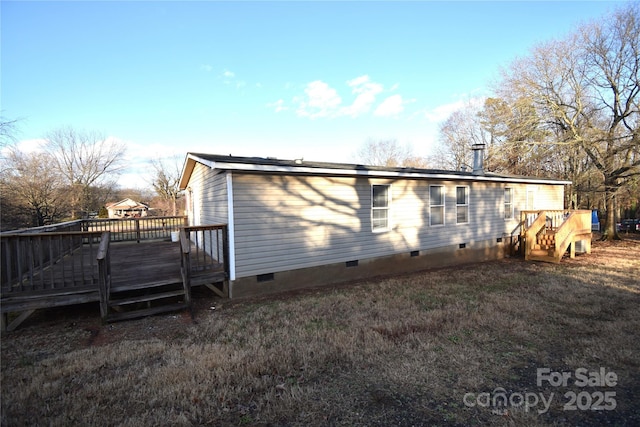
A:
{"points": [[320, 100], [366, 91], [442, 112], [31, 145], [278, 105], [358, 81], [392, 106], [206, 67], [228, 74]]}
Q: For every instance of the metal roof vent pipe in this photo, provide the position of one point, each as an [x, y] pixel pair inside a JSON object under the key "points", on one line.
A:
{"points": [[478, 159]]}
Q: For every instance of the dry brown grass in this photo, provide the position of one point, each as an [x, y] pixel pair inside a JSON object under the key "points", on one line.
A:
{"points": [[397, 351]]}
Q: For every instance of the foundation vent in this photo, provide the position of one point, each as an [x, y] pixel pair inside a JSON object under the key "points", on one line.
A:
{"points": [[265, 277]]}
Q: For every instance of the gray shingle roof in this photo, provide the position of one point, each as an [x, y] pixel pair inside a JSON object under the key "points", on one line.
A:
{"points": [[370, 170]]}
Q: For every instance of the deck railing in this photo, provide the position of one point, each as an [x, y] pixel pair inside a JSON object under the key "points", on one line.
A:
{"points": [[61, 228], [28, 260], [553, 218], [210, 247], [205, 254], [27, 255], [531, 232], [137, 229], [577, 224]]}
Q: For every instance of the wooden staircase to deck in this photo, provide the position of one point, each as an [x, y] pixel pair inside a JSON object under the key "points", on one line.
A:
{"points": [[548, 237], [146, 299], [545, 247], [141, 294]]}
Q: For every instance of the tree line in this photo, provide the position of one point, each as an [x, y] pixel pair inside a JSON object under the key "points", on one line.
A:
{"points": [[73, 176], [569, 109]]}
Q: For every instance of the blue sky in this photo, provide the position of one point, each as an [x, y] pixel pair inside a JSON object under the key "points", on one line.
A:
{"points": [[279, 79]]}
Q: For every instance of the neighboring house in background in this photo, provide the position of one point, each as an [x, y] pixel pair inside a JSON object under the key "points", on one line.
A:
{"points": [[296, 224], [127, 208]]}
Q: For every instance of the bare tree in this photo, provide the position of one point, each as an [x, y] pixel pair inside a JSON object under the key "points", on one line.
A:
{"points": [[390, 153], [457, 134], [8, 131], [512, 132], [585, 89], [166, 181], [32, 191], [86, 160]]}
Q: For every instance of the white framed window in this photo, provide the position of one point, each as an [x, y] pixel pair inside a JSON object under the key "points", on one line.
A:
{"points": [[462, 205], [436, 205], [380, 207], [508, 203]]}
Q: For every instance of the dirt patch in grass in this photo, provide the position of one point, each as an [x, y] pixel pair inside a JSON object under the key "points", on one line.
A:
{"points": [[416, 349]]}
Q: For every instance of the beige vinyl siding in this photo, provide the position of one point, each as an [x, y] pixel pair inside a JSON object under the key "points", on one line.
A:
{"points": [[548, 196], [209, 194], [289, 222]]}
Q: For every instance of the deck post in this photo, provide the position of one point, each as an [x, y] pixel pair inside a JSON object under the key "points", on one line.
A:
{"points": [[185, 246], [104, 274], [137, 221]]}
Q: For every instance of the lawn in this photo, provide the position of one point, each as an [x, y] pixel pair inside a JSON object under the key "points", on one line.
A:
{"points": [[497, 343]]}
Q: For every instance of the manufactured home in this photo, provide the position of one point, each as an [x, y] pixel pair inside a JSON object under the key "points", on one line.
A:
{"points": [[295, 224]]}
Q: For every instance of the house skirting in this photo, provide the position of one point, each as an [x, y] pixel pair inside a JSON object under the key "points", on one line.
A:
{"points": [[358, 269]]}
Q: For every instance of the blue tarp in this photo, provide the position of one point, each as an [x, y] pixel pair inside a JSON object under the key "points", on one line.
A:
{"points": [[595, 223]]}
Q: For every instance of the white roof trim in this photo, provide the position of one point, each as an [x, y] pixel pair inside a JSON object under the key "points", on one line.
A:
{"points": [[249, 167]]}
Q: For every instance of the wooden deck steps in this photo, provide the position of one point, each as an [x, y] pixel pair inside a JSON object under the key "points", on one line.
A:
{"points": [[146, 299], [136, 314], [547, 235], [544, 249]]}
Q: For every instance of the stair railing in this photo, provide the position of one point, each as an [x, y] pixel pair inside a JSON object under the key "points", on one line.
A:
{"points": [[577, 223], [531, 233]]}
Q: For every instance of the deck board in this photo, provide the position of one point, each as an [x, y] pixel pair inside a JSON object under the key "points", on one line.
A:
{"points": [[146, 262], [132, 265]]}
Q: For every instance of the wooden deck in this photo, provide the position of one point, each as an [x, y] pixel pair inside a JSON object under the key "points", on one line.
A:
{"points": [[55, 269], [146, 262], [152, 262]]}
